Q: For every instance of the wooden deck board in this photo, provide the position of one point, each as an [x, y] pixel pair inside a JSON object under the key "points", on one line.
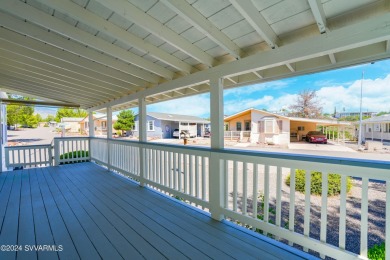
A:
{"points": [[95, 214], [26, 234], [176, 222], [158, 235], [97, 237], [9, 230], [43, 232], [60, 232], [234, 240], [81, 240]]}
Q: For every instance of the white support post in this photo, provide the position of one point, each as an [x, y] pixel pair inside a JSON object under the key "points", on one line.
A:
{"points": [[56, 147], [91, 125], [142, 119], [372, 132], [91, 130], [382, 126], [216, 173], [109, 136]]}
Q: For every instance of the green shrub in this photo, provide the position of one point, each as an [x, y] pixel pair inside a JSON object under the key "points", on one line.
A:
{"points": [[334, 182], [74, 154], [377, 252]]}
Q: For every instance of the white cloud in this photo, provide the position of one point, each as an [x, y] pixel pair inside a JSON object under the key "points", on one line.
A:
{"points": [[198, 105], [376, 95], [274, 85], [236, 105]]}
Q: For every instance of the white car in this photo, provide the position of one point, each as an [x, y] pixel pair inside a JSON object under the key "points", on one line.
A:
{"points": [[183, 134]]}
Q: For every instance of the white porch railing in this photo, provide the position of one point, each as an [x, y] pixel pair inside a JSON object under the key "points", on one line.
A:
{"points": [[237, 134], [71, 150], [28, 156], [249, 187]]}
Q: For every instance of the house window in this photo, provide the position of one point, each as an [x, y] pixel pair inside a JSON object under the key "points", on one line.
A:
{"points": [[269, 126], [247, 125], [150, 125], [226, 127], [104, 124], [301, 128], [238, 126], [387, 128]]}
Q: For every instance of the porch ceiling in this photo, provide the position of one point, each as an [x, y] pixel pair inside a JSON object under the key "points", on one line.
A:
{"points": [[98, 52]]}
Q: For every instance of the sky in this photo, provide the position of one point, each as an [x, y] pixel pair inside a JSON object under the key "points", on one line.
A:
{"points": [[338, 89]]}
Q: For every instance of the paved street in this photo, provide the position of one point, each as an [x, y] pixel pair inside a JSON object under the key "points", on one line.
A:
{"points": [[31, 136]]}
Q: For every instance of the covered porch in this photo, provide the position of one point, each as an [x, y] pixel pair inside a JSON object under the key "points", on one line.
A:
{"points": [[82, 211], [106, 56]]}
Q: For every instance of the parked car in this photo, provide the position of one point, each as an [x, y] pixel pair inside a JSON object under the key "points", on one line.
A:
{"points": [[182, 134], [316, 137]]}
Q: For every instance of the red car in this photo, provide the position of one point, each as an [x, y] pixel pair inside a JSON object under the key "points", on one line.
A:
{"points": [[316, 137]]}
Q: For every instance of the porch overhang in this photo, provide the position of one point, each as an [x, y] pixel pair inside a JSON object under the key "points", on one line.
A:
{"points": [[79, 53]]}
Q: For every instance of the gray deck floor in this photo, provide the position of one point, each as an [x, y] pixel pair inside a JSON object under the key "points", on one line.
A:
{"points": [[88, 213]]}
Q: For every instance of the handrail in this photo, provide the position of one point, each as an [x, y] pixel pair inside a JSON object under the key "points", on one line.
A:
{"points": [[227, 183]]}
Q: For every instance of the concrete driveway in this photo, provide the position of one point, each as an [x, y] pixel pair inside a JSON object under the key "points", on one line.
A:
{"points": [[330, 146], [32, 136]]}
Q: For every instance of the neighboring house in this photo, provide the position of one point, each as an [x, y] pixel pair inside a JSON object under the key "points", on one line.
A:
{"points": [[162, 125], [345, 114], [376, 128], [100, 124], [71, 124], [258, 126], [53, 124]]}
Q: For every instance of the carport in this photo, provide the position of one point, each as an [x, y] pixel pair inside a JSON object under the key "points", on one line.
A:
{"points": [[334, 130]]}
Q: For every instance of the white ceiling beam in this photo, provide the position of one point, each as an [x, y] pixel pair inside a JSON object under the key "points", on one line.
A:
{"points": [[10, 91], [19, 60], [14, 81], [332, 58], [132, 13], [109, 82], [196, 19], [194, 89], [231, 80], [30, 13], [52, 83], [67, 79], [288, 65], [364, 33], [125, 71], [258, 74], [319, 14], [83, 15], [20, 90], [249, 11]]}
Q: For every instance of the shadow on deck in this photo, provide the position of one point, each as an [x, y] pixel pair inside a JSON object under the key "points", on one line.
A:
{"points": [[82, 211]]}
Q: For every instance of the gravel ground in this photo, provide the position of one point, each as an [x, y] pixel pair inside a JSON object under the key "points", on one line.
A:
{"points": [[376, 214]]}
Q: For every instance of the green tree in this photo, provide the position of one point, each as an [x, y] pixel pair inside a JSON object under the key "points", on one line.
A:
{"points": [[49, 118], [125, 121], [18, 114], [382, 113], [69, 112], [39, 118]]}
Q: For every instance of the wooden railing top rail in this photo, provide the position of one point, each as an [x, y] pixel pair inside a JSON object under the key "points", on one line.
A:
{"points": [[27, 146]]}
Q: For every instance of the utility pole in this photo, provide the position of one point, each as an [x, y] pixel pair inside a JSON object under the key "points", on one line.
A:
{"points": [[361, 113]]}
